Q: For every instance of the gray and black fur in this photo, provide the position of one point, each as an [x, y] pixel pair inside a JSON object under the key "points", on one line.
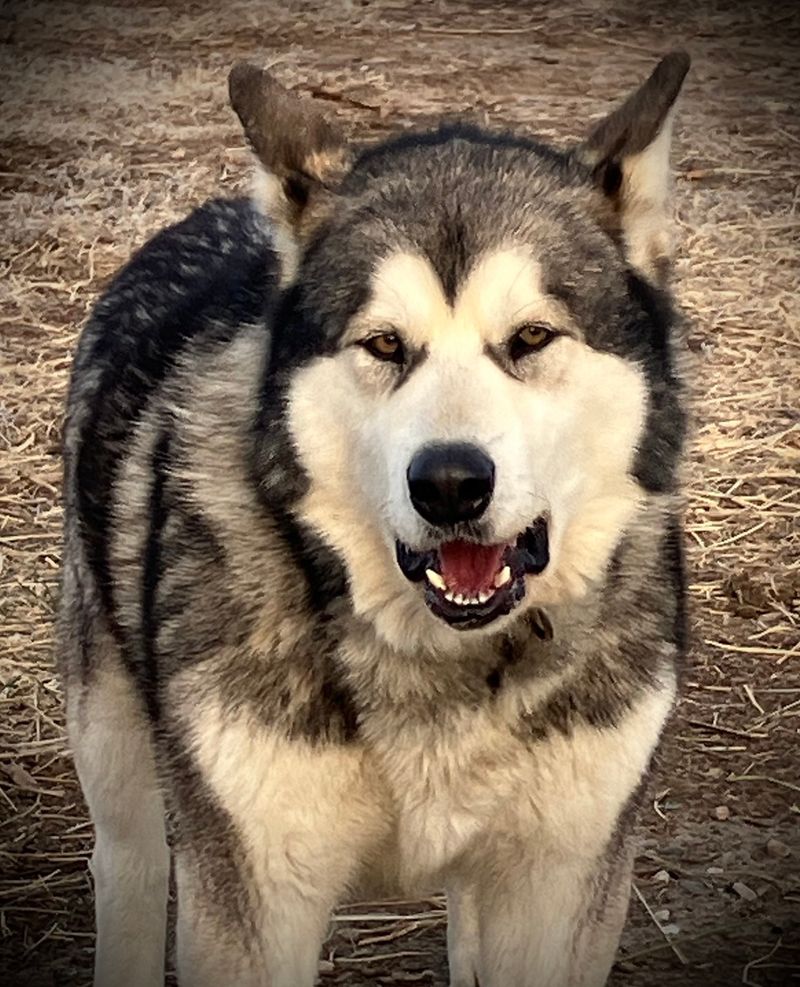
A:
{"points": [[196, 581]]}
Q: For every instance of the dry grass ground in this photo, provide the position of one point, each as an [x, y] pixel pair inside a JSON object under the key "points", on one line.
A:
{"points": [[115, 121]]}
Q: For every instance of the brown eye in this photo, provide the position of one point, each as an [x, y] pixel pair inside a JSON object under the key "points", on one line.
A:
{"points": [[385, 346], [529, 338]]}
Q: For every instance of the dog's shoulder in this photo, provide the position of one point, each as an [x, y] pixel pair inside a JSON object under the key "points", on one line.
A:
{"points": [[196, 285], [216, 267]]}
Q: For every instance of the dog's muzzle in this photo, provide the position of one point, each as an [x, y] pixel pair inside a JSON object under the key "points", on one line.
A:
{"points": [[468, 584]]}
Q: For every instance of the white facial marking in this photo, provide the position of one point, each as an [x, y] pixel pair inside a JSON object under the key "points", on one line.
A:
{"points": [[503, 291], [405, 293], [562, 435]]}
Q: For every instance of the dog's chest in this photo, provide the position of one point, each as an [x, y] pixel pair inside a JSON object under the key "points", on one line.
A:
{"points": [[456, 787], [446, 784]]}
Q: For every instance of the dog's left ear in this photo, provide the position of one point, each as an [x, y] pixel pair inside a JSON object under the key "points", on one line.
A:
{"points": [[301, 152], [628, 153]]}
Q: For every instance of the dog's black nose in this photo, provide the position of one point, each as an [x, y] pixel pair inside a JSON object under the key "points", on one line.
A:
{"points": [[451, 482]]}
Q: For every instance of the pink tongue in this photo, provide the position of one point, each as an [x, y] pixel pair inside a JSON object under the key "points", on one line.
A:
{"points": [[469, 568]]}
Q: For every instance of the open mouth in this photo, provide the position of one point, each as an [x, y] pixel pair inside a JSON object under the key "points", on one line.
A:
{"points": [[468, 584]]}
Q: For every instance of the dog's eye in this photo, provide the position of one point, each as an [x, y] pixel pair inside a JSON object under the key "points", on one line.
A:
{"points": [[385, 346], [529, 338]]}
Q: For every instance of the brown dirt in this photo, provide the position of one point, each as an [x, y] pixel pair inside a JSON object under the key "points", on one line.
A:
{"points": [[115, 121]]}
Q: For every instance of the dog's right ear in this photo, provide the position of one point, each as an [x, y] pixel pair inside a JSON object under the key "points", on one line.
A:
{"points": [[301, 152]]}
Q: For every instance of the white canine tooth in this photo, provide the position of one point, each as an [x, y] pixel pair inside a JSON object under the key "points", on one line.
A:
{"points": [[503, 576], [435, 579], [449, 595]]}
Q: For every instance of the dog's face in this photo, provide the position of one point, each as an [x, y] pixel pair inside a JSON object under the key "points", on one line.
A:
{"points": [[474, 373]]}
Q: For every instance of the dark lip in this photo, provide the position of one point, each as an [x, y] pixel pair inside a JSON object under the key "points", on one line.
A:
{"points": [[529, 555]]}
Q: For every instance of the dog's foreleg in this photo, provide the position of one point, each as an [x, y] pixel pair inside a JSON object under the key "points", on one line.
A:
{"points": [[462, 935], [113, 751], [269, 938], [304, 819], [552, 924], [602, 920], [554, 882]]}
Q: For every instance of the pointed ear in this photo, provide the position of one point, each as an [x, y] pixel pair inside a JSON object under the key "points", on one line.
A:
{"points": [[300, 151], [628, 153]]}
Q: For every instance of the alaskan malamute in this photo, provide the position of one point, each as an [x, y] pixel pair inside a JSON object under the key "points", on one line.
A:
{"points": [[372, 571]]}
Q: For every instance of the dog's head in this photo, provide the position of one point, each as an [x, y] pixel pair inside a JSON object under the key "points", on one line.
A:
{"points": [[471, 355]]}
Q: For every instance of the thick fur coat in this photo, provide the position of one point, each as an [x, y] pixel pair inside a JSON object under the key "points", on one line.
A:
{"points": [[277, 618]]}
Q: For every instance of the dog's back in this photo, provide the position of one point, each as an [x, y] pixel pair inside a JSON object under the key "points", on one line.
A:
{"points": [[194, 285]]}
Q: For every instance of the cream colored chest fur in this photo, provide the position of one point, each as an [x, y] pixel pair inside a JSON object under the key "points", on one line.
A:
{"points": [[456, 786], [407, 808]]}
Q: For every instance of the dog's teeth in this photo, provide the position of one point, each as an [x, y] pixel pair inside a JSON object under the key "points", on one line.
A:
{"points": [[435, 579], [459, 598], [502, 577], [449, 595], [483, 597]]}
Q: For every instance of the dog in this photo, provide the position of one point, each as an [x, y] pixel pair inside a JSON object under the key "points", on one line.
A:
{"points": [[373, 575]]}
